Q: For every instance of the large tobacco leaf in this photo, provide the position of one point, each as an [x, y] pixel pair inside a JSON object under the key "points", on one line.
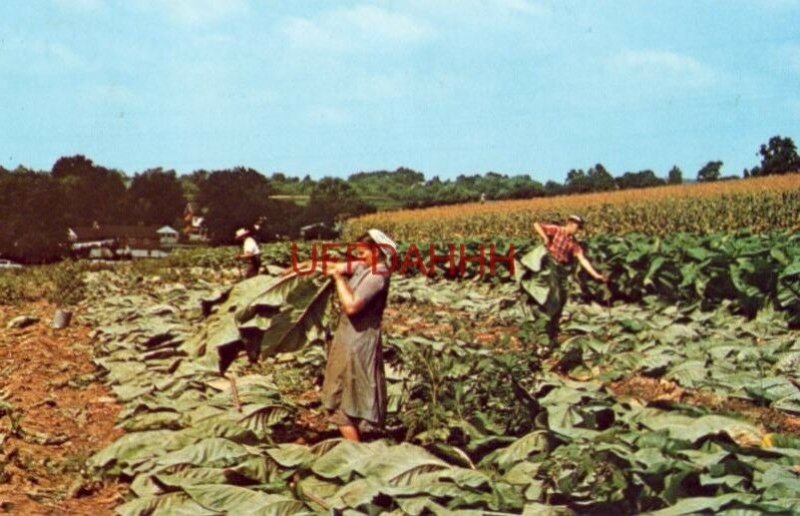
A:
{"points": [[263, 316]]}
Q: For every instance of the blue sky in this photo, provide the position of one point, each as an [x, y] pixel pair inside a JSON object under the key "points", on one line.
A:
{"points": [[442, 86]]}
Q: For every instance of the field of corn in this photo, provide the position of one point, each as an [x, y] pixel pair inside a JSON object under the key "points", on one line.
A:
{"points": [[757, 204]]}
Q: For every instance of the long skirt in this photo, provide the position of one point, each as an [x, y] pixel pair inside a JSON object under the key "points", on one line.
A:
{"points": [[355, 383]]}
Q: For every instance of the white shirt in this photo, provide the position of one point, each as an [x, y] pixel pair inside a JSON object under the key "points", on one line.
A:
{"points": [[250, 246]]}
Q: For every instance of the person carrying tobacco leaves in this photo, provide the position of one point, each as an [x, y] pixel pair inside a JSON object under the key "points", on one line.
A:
{"points": [[558, 257], [251, 253], [354, 389]]}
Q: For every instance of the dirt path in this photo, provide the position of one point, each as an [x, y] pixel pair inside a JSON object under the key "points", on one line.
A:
{"points": [[63, 415]]}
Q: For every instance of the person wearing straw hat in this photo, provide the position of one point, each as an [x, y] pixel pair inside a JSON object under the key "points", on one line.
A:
{"points": [[562, 250], [251, 253], [354, 390]]}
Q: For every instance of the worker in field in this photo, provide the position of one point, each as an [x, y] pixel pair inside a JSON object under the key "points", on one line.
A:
{"points": [[251, 253], [354, 390], [558, 261]]}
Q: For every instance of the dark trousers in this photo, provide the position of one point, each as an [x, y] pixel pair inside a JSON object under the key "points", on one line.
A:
{"points": [[555, 277], [253, 265]]}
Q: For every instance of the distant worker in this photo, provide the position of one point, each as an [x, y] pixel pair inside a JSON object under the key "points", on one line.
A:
{"points": [[558, 263], [251, 253]]}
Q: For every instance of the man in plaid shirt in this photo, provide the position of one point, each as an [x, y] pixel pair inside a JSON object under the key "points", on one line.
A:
{"points": [[562, 249], [560, 242]]}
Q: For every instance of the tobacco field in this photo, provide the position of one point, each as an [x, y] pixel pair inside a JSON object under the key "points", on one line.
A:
{"points": [[674, 391]]}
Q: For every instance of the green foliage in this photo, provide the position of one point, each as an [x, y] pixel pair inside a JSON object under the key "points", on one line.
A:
{"points": [[60, 283], [289, 185], [155, 197], [68, 286], [333, 198], [14, 288], [675, 176], [778, 156], [235, 198], [488, 430], [408, 188], [641, 179], [271, 315], [32, 230], [596, 179], [451, 392], [92, 193], [751, 272], [711, 171], [388, 189], [552, 188]]}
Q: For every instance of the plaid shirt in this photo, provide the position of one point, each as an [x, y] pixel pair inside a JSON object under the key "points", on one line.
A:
{"points": [[562, 246]]}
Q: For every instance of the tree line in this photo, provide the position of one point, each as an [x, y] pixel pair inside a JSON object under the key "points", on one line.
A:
{"points": [[38, 207], [406, 188]]}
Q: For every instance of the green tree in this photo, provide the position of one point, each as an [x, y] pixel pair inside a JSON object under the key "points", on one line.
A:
{"points": [[675, 176], [577, 182], [596, 179], [711, 171], [388, 189], [191, 184], [641, 179], [156, 197], [523, 187], [332, 198], [553, 188], [92, 193], [600, 179], [31, 208], [235, 198], [778, 156]]}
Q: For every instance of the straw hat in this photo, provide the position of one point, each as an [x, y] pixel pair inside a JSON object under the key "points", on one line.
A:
{"points": [[379, 237], [576, 219]]}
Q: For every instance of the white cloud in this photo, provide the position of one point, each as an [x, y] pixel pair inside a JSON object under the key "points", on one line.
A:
{"points": [[80, 5], [363, 27], [196, 12], [662, 65]]}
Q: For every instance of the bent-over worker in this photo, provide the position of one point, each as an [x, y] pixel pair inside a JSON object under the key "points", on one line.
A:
{"points": [[251, 253], [562, 252]]}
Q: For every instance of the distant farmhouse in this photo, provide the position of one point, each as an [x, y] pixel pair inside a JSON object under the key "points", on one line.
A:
{"points": [[112, 242]]}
